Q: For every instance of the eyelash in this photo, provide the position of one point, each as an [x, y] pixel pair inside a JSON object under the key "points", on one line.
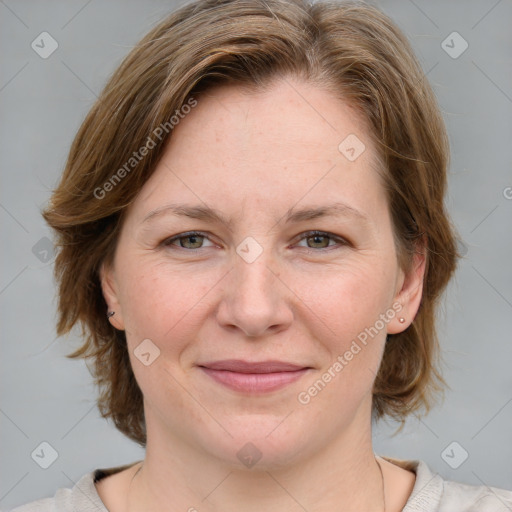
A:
{"points": [[308, 234]]}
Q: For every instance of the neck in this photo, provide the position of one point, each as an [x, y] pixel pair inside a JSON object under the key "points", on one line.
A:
{"points": [[343, 475]]}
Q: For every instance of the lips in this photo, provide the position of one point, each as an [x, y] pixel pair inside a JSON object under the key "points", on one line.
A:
{"points": [[239, 366], [253, 377]]}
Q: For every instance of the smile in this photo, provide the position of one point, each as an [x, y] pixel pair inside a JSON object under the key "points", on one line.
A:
{"points": [[257, 377]]}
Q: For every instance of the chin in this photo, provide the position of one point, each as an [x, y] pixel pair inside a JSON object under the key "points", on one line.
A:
{"points": [[261, 443]]}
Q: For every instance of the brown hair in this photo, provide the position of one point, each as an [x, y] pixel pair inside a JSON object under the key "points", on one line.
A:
{"points": [[353, 50]]}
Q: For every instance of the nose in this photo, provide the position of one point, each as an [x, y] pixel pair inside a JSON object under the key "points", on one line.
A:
{"points": [[254, 300]]}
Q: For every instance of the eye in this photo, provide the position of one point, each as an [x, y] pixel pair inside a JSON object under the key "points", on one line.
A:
{"points": [[320, 240], [192, 240]]}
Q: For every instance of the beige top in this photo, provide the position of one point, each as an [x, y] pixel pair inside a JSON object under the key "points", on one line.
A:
{"points": [[431, 493]]}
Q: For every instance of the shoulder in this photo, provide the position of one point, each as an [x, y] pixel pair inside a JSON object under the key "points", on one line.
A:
{"points": [[432, 492], [82, 497], [475, 498]]}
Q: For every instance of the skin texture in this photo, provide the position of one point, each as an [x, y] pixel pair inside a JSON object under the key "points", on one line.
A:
{"points": [[254, 157]]}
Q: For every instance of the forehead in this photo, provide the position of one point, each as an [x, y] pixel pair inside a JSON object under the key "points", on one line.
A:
{"points": [[287, 114], [271, 146]]}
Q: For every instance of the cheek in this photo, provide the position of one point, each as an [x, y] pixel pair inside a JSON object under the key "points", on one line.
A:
{"points": [[347, 299], [166, 306], [344, 316], [163, 304]]}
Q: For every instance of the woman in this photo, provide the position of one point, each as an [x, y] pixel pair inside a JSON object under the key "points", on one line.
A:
{"points": [[252, 233]]}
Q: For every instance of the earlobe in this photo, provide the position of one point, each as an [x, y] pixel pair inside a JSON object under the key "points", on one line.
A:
{"points": [[110, 294], [408, 297]]}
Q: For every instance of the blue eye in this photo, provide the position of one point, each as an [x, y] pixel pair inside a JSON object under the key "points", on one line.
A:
{"points": [[192, 240]]}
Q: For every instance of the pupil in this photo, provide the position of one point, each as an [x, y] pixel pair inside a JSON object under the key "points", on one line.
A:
{"points": [[318, 241], [192, 240]]}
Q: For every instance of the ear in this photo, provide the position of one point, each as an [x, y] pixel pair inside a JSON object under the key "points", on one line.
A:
{"points": [[409, 291], [110, 293]]}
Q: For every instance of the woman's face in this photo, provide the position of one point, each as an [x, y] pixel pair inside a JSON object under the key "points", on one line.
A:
{"points": [[256, 277]]}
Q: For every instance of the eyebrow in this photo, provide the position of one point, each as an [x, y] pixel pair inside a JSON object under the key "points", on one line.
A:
{"points": [[194, 212], [334, 210], [292, 215]]}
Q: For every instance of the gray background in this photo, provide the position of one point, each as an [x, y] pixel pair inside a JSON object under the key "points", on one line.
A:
{"points": [[46, 397]]}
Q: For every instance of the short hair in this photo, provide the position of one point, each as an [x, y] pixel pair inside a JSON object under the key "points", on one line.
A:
{"points": [[353, 50]]}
